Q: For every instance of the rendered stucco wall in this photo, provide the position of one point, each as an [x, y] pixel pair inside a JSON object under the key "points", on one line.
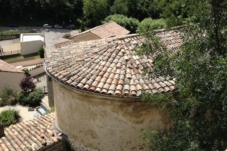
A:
{"points": [[30, 47], [85, 37], [11, 79], [94, 122]]}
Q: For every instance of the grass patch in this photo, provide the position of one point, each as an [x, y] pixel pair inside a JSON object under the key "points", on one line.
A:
{"points": [[22, 58], [12, 32]]}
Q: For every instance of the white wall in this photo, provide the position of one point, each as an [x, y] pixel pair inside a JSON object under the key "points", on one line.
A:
{"points": [[30, 47]]}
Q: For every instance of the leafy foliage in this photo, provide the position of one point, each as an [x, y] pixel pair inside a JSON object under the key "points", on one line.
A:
{"points": [[129, 23], [22, 98], [67, 36], [8, 95], [95, 11], [119, 7], [151, 24], [32, 99], [41, 52], [8, 117], [26, 72], [199, 66], [27, 84]]}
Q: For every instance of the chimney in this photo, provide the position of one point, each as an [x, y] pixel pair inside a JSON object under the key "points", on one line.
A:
{"points": [[2, 130]]}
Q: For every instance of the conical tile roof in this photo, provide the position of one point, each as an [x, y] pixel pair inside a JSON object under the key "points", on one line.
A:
{"points": [[110, 66]]}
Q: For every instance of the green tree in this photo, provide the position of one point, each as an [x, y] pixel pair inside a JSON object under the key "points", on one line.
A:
{"points": [[119, 7], [129, 23], [95, 11], [41, 52], [199, 66], [151, 24]]}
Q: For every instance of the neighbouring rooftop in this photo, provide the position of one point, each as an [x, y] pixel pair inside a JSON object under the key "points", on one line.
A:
{"points": [[110, 29], [6, 67], [110, 66], [35, 134], [31, 37]]}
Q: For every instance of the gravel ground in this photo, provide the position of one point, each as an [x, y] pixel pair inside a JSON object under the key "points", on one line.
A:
{"points": [[23, 111]]}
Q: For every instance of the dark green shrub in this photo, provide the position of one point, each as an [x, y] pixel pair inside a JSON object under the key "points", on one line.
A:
{"points": [[35, 97], [8, 117], [151, 24], [22, 98], [8, 95], [41, 52], [129, 23], [32, 98], [67, 36]]}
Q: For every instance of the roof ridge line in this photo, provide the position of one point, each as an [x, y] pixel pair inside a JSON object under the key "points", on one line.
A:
{"points": [[121, 37]]}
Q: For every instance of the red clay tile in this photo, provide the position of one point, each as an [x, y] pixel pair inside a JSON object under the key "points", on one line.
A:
{"points": [[121, 82], [112, 75], [133, 88], [98, 78], [115, 81], [112, 87], [117, 92], [138, 87], [157, 85], [98, 90], [103, 79], [100, 85], [161, 90], [126, 87], [95, 83], [109, 80], [119, 87], [167, 89], [106, 75], [104, 91], [106, 86], [86, 86], [172, 87], [110, 92]]}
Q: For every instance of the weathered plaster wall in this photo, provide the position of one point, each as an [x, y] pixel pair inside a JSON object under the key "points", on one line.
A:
{"points": [[11, 79], [104, 123]]}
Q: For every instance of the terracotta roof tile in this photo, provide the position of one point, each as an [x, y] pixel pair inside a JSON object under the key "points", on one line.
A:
{"points": [[112, 66], [38, 132]]}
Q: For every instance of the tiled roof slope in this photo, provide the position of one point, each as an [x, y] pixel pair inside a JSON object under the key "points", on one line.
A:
{"points": [[107, 30], [37, 134], [4, 66], [110, 66]]}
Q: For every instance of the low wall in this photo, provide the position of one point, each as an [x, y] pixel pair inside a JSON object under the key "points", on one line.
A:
{"points": [[37, 71], [28, 63], [6, 37]]}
